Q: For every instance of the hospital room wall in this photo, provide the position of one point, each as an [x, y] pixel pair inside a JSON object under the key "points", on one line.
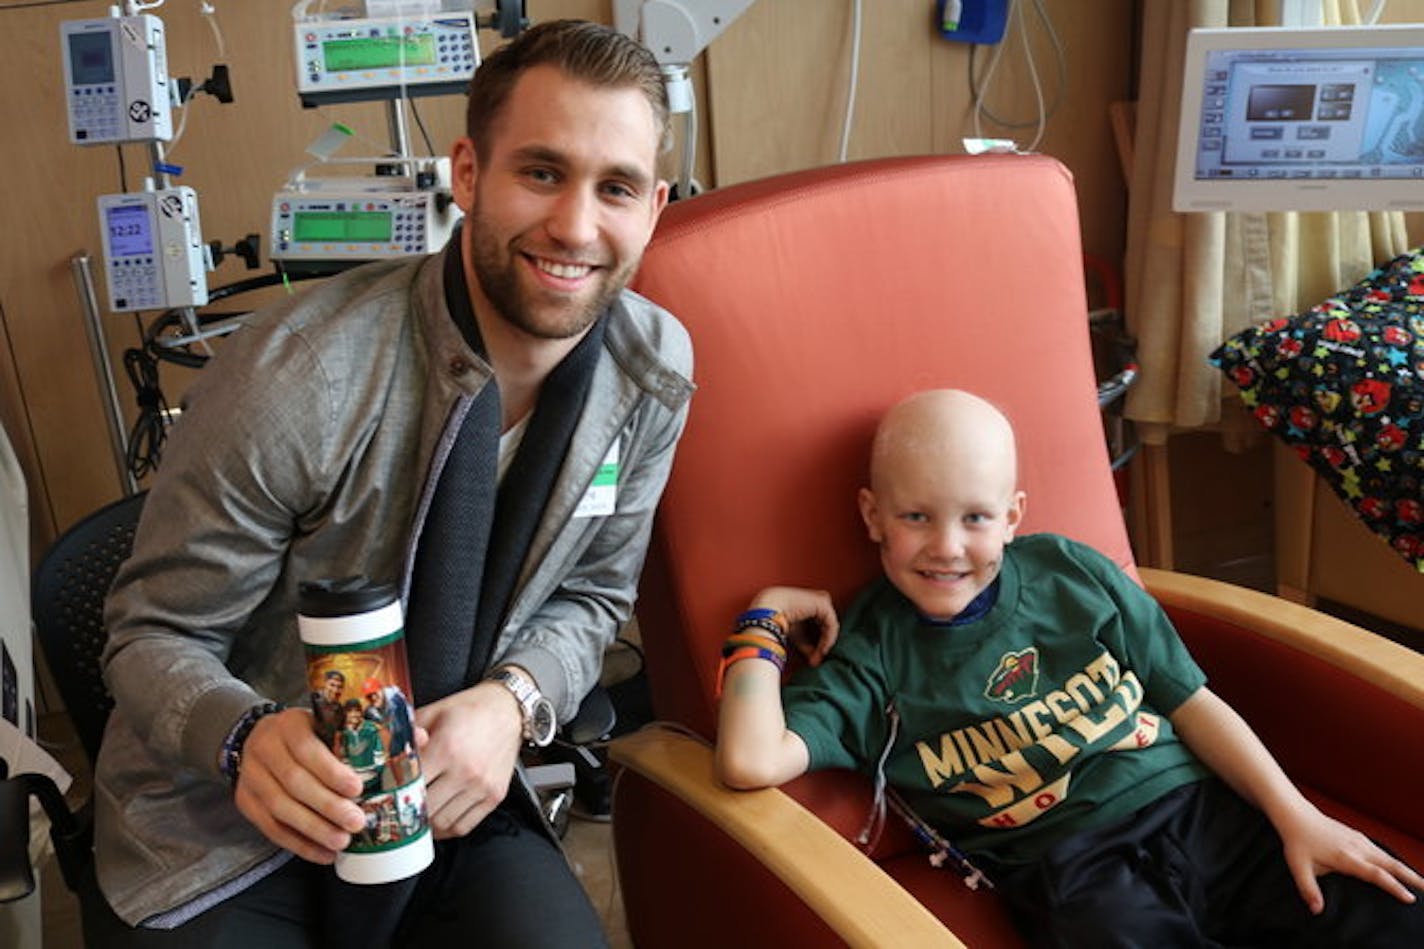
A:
{"points": [[773, 94]]}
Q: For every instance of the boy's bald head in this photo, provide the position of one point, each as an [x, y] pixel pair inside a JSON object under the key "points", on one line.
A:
{"points": [[944, 422]]}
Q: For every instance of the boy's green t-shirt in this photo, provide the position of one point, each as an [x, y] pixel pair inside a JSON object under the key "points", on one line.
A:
{"points": [[361, 744], [1042, 718]]}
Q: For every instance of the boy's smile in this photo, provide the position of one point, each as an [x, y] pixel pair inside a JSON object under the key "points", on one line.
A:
{"points": [[943, 503]]}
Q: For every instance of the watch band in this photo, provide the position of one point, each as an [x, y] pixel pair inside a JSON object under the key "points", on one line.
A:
{"points": [[538, 712]]}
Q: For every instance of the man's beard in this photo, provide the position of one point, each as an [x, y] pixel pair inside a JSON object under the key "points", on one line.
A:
{"points": [[496, 267]]}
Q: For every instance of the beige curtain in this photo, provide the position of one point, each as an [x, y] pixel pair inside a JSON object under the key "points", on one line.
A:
{"points": [[1192, 280]]}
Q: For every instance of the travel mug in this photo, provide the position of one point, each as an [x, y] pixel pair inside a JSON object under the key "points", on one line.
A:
{"points": [[353, 632]]}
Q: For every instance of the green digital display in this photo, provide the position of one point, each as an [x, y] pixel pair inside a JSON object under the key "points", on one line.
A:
{"points": [[378, 52], [351, 227]]}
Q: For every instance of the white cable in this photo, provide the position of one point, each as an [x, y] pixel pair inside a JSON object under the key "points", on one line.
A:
{"points": [[1017, 22], [989, 78], [1033, 75], [854, 79], [689, 147], [1373, 16], [210, 14], [135, 7], [182, 123]]}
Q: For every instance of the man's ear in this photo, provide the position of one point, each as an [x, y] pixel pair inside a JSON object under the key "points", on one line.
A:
{"points": [[1017, 507], [868, 510], [660, 200], [464, 168]]}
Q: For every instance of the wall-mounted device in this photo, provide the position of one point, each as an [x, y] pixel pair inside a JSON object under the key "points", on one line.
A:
{"points": [[1281, 119], [348, 221], [154, 256], [116, 80], [385, 58]]}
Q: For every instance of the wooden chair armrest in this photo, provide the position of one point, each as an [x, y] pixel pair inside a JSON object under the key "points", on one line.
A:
{"points": [[1387, 664], [856, 898]]}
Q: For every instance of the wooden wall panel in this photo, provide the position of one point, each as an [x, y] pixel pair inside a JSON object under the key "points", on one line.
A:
{"points": [[778, 79], [772, 90]]}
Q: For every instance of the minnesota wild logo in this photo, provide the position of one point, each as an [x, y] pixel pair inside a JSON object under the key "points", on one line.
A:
{"points": [[1016, 677]]}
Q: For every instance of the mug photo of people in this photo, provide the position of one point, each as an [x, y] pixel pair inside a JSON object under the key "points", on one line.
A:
{"points": [[392, 818], [367, 721]]}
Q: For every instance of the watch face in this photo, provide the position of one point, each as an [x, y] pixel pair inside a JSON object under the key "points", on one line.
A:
{"points": [[541, 722]]}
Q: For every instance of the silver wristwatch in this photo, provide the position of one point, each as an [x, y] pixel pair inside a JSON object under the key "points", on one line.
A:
{"points": [[539, 721]]}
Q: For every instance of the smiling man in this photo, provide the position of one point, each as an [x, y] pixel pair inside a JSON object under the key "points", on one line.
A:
{"points": [[491, 428]]}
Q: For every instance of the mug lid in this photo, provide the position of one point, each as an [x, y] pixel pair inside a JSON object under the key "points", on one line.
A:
{"points": [[344, 596]]}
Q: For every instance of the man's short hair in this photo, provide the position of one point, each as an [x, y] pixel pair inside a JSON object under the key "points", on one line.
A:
{"points": [[589, 52], [334, 674]]}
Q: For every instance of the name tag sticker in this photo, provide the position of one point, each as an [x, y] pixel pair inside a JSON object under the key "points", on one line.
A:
{"points": [[601, 497]]}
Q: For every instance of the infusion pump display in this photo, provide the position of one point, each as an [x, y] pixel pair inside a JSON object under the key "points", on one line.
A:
{"points": [[116, 80], [330, 228], [154, 257], [351, 60]]}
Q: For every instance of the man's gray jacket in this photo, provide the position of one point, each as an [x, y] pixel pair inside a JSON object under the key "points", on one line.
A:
{"points": [[308, 451]]}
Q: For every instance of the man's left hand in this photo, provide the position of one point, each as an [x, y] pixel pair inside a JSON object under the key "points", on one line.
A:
{"points": [[469, 757]]}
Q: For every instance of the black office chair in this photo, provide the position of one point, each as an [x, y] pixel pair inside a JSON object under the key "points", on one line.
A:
{"points": [[67, 605]]}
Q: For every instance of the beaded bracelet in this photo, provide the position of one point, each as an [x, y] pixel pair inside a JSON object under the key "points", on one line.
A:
{"points": [[747, 652], [773, 621], [230, 758], [758, 640]]}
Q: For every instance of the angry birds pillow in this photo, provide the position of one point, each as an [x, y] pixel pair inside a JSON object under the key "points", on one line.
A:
{"points": [[1343, 385]]}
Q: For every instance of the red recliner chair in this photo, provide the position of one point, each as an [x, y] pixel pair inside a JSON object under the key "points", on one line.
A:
{"points": [[815, 301]]}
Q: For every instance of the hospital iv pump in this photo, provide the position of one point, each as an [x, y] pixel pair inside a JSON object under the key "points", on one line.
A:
{"points": [[118, 91]]}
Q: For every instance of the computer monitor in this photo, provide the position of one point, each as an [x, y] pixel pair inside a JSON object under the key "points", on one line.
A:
{"points": [[1284, 119]]}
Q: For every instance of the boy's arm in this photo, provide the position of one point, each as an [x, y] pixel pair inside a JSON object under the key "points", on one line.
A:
{"points": [[754, 747], [1314, 843]]}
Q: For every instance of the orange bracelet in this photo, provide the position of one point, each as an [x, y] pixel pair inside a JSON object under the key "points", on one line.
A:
{"points": [[749, 638], [747, 652]]}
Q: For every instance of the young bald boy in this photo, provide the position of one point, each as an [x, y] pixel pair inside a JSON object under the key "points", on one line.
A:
{"points": [[1035, 706]]}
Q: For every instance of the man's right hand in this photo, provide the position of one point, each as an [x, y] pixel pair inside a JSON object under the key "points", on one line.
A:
{"points": [[294, 790]]}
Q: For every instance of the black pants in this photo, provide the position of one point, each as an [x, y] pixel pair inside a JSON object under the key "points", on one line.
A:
{"points": [[505, 884], [1199, 867]]}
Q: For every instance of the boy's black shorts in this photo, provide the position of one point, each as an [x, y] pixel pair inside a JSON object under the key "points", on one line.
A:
{"points": [[1197, 867]]}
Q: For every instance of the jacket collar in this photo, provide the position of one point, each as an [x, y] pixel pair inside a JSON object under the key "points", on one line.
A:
{"points": [[628, 339]]}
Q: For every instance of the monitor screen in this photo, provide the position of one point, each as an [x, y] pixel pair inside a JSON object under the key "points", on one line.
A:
{"points": [[379, 52], [1286, 119], [356, 227], [130, 232], [91, 58]]}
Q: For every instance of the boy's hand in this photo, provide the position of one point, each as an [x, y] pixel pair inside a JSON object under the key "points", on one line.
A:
{"points": [[810, 614], [1316, 844]]}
